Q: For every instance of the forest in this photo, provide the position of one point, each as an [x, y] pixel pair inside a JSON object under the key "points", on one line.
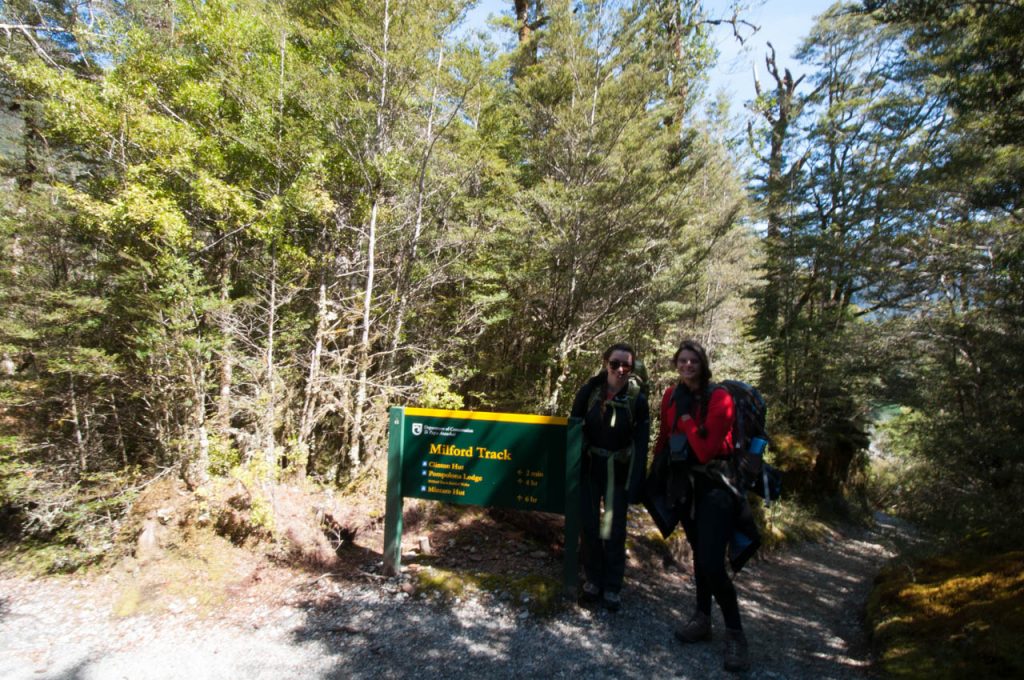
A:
{"points": [[235, 233]]}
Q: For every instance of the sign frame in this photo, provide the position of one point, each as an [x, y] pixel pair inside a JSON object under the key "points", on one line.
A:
{"points": [[547, 450]]}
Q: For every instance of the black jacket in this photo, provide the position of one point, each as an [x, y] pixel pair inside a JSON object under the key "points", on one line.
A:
{"points": [[599, 430]]}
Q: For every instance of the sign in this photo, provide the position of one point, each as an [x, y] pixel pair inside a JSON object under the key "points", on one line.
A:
{"points": [[487, 459], [508, 460]]}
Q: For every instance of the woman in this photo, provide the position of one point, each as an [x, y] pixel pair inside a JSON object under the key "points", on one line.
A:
{"points": [[696, 433], [616, 426]]}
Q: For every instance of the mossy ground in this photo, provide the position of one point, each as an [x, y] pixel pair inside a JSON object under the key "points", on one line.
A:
{"points": [[200, 576], [541, 594], [955, 616]]}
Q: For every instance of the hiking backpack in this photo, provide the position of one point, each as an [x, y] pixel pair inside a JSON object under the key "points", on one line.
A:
{"points": [[747, 460]]}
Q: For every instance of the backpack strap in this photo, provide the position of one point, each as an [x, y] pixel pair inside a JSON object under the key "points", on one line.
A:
{"points": [[666, 398], [633, 390]]}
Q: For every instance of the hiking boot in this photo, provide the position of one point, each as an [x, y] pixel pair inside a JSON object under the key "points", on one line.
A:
{"points": [[590, 593], [697, 629], [612, 602], [737, 652]]}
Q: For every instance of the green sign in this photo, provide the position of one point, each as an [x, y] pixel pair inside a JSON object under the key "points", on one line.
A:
{"points": [[508, 460]]}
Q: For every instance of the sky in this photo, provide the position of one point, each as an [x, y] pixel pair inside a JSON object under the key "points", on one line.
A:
{"points": [[784, 23]]}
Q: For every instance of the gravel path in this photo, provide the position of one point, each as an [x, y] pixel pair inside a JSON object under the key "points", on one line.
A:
{"points": [[802, 610]]}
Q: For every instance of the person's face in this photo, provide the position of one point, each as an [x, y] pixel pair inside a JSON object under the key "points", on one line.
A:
{"points": [[619, 366], [688, 365]]}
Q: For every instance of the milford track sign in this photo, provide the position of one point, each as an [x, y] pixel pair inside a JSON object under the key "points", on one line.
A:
{"points": [[507, 460]]}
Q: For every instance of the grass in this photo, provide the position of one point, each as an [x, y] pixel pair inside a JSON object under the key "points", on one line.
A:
{"points": [[958, 615], [788, 522]]}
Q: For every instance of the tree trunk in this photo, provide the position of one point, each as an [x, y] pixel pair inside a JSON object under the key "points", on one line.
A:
{"points": [[121, 447], [197, 470], [268, 417], [227, 360], [77, 425], [401, 290], [355, 452], [311, 400], [363, 361]]}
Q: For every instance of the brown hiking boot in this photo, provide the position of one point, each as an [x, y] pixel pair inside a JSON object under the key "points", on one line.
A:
{"points": [[737, 651], [697, 629]]}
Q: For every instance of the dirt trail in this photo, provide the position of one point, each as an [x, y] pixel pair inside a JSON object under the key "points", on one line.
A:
{"points": [[802, 609]]}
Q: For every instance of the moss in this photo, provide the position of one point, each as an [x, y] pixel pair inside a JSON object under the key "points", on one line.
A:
{"points": [[440, 581], [56, 556], [127, 603], [951, 616], [544, 592], [541, 595]]}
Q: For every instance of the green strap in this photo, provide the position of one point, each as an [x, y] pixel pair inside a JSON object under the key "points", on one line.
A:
{"points": [[609, 496], [609, 491]]}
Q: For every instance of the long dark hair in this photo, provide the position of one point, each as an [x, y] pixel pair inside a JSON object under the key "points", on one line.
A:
{"points": [[602, 376], [619, 347], [700, 398]]}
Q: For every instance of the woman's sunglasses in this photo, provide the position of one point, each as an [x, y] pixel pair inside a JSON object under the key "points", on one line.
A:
{"points": [[616, 365]]}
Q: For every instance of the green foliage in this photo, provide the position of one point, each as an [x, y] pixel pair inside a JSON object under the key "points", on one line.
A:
{"points": [[789, 521], [50, 527], [950, 485], [436, 391], [242, 238], [224, 457], [622, 199]]}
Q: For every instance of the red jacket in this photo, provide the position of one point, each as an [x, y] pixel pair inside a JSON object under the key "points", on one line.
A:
{"points": [[717, 441]]}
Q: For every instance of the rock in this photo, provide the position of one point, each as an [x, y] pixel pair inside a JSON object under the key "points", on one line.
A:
{"points": [[147, 547], [129, 565], [424, 545]]}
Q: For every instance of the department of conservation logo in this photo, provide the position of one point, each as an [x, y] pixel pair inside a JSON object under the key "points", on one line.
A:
{"points": [[438, 430]]}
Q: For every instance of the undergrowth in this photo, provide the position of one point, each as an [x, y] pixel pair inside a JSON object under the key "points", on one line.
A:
{"points": [[957, 615]]}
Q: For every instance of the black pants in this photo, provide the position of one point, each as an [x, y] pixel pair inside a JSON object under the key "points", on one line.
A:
{"points": [[604, 560], [713, 523]]}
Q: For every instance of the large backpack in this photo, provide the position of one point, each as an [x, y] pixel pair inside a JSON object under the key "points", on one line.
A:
{"points": [[750, 471], [639, 377]]}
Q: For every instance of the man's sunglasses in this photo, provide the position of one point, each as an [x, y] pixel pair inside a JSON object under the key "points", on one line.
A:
{"points": [[616, 365]]}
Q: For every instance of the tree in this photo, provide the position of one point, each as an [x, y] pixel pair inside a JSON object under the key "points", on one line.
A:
{"points": [[960, 341], [836, 235], [609, 218]]}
